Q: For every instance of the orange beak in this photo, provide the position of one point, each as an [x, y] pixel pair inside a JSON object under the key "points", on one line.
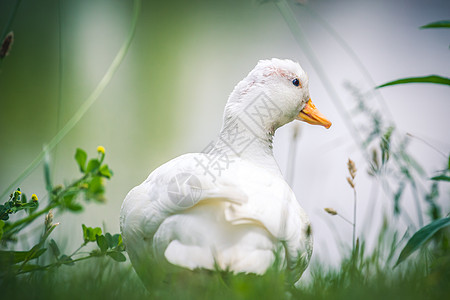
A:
{"points": [[310, 114]]}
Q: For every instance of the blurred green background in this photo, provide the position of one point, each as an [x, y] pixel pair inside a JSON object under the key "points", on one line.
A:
{"points": [[168, 95]]}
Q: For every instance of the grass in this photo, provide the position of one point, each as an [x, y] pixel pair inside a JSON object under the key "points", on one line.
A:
{"points": [[361, 275], [356, 278]]}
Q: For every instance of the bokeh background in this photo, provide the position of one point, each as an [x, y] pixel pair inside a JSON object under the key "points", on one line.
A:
{"points": [[168, 95]]}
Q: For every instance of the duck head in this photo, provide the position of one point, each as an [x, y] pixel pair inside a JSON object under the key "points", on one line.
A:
{"points": [[274, 93]]}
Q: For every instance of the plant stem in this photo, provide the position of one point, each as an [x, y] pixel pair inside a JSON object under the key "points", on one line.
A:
{"points": [[49, 266], [352, 54], [10, 20], [417, 202], [368, 214], [299, 36], [345, 219], [427, 143], [60, 81], [54, 203], [31, 217], [79, 248], [354, 218], [86, 104], [291, 157]]}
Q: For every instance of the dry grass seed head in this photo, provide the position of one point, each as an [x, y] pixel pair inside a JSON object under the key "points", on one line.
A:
{"points": [[331, 211], [351, 168]]}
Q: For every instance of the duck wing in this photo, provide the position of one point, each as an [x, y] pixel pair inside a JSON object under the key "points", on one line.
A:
{"points": [[193, 216]]}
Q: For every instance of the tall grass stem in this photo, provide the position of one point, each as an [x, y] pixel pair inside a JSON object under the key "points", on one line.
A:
{"points": [[357, 61], [60, 82], [417, 202], [10, 20], [354, 218], [86, 104], [345, 219], [299, 36], [426, 143], [290, 169]]}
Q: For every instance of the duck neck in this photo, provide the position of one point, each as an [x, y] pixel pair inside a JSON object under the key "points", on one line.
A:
{"points": [[244, 138]]}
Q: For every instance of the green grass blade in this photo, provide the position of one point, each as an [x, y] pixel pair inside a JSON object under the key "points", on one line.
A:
{"points": [[420, 237], [426, 79], [10, 19], [86, 104], [441, 178], [439, 24], [19, 256], [47, 173]]}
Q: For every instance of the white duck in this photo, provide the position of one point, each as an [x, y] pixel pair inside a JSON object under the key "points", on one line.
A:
{"points": [[229, 208]]}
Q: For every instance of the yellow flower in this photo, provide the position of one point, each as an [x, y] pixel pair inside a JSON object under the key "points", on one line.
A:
{"points": [[34, 198], [101, 149]]}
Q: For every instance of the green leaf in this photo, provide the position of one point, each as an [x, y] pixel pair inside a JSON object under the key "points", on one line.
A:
{"points": [[95, 231], [397, 197], [2, 224], [81, 157], [4, 212], [93, 164], [30, 267], [438, 24], [68, 198], [9, 257], [426, 79], [102, 243], [38, 253], [105, 171], [48, 232], [385, 145], [74, 207], [24, 198], [441, 177], [117, 238], [96, 189], [66, 260], [47, 176], [29, 205], [117, 256], [19, 256], [434, 210], [109, 239], [90, 234], [413, 163], [120, 245], [114, 241], [421, 236], [54, 247], [96, 185], [85, 233]]}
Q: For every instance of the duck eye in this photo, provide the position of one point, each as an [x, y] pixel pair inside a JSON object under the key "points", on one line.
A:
{"points": [[296, 82]]}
